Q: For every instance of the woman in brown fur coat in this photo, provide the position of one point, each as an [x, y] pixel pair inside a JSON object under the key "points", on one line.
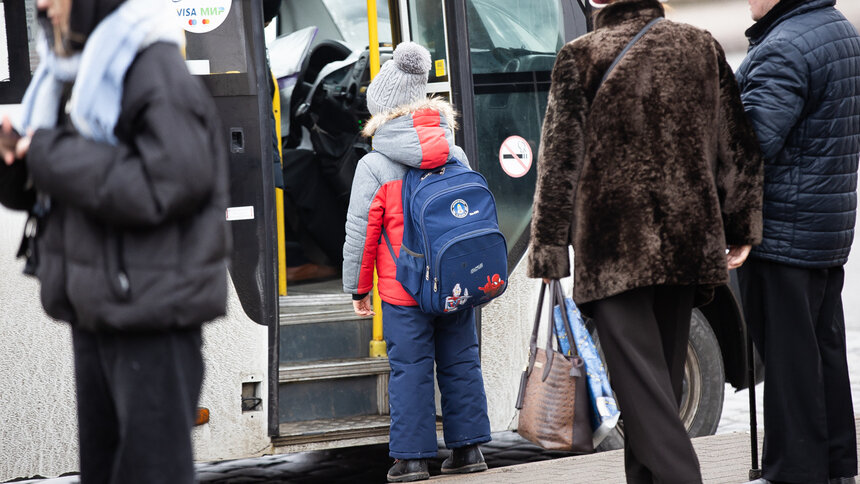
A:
{"points": [[651, 177]]}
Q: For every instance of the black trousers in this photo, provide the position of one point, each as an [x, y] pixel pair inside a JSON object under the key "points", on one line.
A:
{"points": [[644, 335], [796, 321], [137, 400]]}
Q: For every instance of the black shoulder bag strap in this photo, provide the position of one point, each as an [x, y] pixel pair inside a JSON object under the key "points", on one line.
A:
{"points": [[627, 47]]}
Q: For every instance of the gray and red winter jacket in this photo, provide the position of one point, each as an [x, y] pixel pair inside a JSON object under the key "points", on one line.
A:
{"points": [[417, 135]]}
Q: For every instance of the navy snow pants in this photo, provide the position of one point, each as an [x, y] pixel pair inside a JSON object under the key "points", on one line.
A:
{"points": [[415, 340]]}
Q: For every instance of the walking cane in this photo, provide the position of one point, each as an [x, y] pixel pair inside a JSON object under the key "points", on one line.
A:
{"points": [[755, 471]]}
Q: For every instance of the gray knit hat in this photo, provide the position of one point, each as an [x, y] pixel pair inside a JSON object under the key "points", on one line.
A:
{"points": [[402, 80]]}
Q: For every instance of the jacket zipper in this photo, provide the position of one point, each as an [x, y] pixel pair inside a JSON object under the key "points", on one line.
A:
{"points": [[117, 274]]}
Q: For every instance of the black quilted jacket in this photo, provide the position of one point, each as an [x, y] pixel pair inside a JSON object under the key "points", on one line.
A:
{"points": [[136, 237], [801, 89]]}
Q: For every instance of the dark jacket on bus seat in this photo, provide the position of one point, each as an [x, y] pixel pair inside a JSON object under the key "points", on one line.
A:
{"points": [[801, 88], [136, 237], [651, 177]]}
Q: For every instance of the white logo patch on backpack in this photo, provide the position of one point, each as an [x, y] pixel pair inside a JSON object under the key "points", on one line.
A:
{"points": [[460, 208]]}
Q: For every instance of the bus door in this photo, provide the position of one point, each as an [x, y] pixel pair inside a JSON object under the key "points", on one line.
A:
{"points": [[331, 392], [17, 49], [224, 47]]}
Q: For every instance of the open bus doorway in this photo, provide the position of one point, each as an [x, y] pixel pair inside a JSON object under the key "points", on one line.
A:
{"points": [[321, 63]]}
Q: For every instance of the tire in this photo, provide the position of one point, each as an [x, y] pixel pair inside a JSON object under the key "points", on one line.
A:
{"points": [[704, 385]]}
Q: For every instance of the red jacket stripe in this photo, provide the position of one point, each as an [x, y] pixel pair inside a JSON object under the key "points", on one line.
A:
{"points": [[431, 136], [386, 210]]}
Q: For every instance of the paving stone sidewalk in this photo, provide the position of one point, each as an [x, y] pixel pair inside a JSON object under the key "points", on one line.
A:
{"points": [[723, 458]]}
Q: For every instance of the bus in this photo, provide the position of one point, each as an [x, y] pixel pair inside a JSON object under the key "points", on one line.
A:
{"points": [[290, 367]]}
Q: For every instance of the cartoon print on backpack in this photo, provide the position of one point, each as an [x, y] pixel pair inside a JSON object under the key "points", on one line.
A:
{"points": [[455, 301], [492, 287]]}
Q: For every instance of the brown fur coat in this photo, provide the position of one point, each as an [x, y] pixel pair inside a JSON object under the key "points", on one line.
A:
{"points": [[651, 177]]}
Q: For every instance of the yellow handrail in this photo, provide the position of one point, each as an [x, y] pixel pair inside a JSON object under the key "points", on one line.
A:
{"points": [[279, 197], [373, 37], [377, 344]]}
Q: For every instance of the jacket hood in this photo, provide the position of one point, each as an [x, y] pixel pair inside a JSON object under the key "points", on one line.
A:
{"points": [[418, 135]]}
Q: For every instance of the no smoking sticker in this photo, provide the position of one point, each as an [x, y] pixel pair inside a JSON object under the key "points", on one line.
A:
{"points": [[515, 156]]}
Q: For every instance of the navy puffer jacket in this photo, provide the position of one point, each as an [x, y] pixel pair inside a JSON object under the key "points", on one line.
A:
{"points": [[801, 89]]}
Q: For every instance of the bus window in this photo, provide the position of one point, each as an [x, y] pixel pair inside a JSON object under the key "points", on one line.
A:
{"points": [[427, 28], [351, 18], [340, 20], [512, 44], [514, 35]]}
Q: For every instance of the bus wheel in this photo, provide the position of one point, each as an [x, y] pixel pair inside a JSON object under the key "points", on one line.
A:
{"points": [[704, 385]]}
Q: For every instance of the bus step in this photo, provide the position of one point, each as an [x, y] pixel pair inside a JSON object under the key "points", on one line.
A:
{"points": [[329, 369], [318, 315], [325, 340], [332, 430], [333, 389], [333, 433]]}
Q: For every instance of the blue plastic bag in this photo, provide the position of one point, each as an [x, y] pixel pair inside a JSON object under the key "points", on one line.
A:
{"points": [[605, 411]]}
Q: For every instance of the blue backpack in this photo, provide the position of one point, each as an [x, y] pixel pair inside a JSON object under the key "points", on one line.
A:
{"points": [[453, 255]]}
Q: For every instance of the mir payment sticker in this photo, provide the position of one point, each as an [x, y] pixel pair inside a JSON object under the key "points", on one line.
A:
{"points": [[201, 16]]}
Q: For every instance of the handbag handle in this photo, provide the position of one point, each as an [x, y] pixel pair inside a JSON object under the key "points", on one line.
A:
{"points": [[556, 297], [567, 327], [533, 341], [550, 353], [559, 297], [535, 328]]}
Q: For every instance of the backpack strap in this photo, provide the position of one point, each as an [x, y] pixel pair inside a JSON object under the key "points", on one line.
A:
{"points": [[402, 247], [388, 243], [627, 47]]}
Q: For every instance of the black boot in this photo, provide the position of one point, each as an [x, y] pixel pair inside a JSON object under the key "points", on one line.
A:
{"points": [[842, 480], [464, 460], [408, 470]]}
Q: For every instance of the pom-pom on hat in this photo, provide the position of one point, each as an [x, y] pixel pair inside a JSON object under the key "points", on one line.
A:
{"points": [[401, 80]]}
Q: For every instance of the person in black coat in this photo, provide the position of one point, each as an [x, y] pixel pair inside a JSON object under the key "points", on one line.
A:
{"points": [[126, 181], [801, 88]]}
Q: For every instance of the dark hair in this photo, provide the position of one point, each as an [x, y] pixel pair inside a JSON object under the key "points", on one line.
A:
{"points": [[84, 16]]}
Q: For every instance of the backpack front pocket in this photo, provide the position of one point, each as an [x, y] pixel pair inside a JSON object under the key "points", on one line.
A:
{"points": [[411, 268], [469, 270]]}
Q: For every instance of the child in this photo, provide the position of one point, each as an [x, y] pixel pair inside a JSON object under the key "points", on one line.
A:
{"points": [[411, 131]]}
